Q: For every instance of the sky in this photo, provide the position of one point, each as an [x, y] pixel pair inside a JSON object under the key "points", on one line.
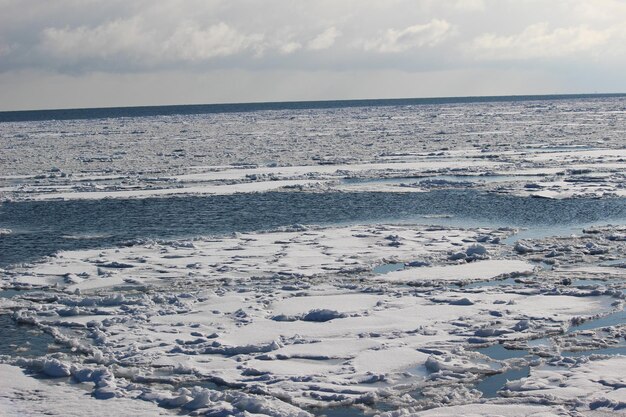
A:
{"points": [[101, 53]]}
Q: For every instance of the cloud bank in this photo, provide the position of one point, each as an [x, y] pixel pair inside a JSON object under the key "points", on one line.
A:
{"points": [[573, 41]]}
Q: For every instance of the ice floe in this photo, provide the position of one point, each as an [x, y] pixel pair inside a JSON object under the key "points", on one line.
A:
{"points": [[394, 319]]}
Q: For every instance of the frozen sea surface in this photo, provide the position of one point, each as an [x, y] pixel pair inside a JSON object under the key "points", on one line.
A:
{"points": [[427, 259]]}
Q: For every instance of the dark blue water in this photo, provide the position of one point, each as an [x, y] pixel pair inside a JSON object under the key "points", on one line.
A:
{"points": [[42, 228], [24, 339], [613, 319], [501, 353], [494, 383], [346, 411], [145, 111]]}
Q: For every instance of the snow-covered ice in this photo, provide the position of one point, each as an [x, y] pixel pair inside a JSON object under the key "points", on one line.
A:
{"points": [[23, 395], [390, 317]]}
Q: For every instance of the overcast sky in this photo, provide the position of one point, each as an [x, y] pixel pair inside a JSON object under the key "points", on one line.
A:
{"points": [[91, 53]]}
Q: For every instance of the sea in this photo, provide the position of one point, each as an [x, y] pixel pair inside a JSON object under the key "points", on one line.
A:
{"points": [[39, 228]]}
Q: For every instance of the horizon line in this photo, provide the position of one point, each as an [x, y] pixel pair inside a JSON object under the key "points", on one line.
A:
{"points": [[71, 113]]}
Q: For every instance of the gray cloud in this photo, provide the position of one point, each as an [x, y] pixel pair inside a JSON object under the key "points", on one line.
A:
{"points": [[393, 40], [539, 41], [324, 40], [77, 39]]}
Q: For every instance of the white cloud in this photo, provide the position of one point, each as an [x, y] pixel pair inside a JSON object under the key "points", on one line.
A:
{"points": [[192, 43], [290, 47], [118, 36], [416, 36], [324, 40], [538, 41], [132, 38], [469, 4]]}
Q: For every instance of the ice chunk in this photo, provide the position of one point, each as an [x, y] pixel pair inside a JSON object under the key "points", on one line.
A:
{"points": [[322, 315]]}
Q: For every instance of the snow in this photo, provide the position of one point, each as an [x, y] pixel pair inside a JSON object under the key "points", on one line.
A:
{"points": [[22, 395], [255, 187], [481, 270], [320, 333], [281, 321], [330, 326], [494, 410], [593, 384]]}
